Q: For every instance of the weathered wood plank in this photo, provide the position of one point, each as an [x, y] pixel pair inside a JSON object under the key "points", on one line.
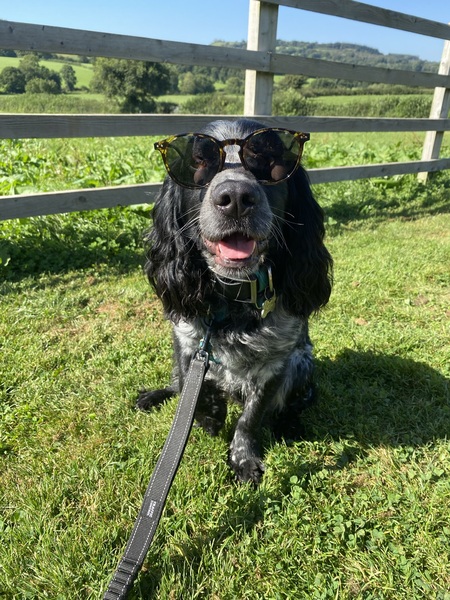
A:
{"points": [[17, 126], [23, 36], [314, 67], [262, 36], [102, 125], [32, 205], [366, 13], [329, 175], [439, 110], [355, 124]]}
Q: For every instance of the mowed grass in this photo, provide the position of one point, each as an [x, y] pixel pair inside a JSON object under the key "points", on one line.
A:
{"points": [[358, 508]]}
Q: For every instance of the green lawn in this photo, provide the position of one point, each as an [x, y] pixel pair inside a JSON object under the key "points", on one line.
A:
{"points": [[356, 509]]}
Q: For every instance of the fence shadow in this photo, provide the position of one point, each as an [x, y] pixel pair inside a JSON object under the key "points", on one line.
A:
{"points": [[57, 244], [380, 200]]}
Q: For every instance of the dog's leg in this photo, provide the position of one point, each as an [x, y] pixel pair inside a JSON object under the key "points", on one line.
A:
{"points": [[245, 455], [296, 393], [148, 399], [286, 424]]}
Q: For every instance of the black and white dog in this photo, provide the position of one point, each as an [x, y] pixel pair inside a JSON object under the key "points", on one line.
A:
{"points": [[237, 245]]}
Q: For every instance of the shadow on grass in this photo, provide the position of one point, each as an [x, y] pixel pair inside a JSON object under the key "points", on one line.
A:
{"points": [[366, 400], [377, 200], [57, 244], [50, 258]]}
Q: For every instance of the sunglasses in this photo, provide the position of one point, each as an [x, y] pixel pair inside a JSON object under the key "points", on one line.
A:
{"points": [[272, 155]]}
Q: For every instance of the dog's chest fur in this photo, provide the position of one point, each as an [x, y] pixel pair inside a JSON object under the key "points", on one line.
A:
{"points": [[243, 360]]}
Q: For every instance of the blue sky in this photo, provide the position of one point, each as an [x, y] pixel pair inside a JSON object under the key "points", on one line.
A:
{"points": [[205, 21]]}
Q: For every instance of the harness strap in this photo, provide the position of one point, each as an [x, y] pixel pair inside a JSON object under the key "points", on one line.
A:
{"points": [[160, 482]]}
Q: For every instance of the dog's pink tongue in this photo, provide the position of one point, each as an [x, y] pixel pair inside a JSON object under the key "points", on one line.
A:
{"points": [[236, 247]]}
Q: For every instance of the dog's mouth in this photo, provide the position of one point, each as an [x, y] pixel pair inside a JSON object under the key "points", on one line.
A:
{"points": [[236, 250]]}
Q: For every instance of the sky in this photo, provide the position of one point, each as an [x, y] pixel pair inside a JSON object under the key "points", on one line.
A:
{"points": [[204, 22]]}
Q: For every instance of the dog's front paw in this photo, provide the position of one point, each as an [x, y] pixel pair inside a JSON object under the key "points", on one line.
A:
{"points": [[151, 399], [248, 469]]}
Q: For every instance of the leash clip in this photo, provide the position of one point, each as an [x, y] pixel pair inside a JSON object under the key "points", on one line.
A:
{"points": [[204, 346]]}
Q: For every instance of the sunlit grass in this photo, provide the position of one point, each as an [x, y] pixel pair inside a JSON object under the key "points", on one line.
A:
{"points": [[356, 509]]}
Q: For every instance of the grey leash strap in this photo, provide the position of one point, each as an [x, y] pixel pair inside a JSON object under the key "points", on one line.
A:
{"points": [[160, 482]]}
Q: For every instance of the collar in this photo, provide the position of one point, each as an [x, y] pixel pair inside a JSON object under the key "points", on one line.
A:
{"points": [[256, 289]]}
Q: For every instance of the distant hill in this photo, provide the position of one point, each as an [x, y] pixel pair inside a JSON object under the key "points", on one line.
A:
{"points": [[349, 53]]}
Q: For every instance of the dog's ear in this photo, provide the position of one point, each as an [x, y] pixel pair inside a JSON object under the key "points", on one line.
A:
{"points": [[307, 279], [175, 267]]}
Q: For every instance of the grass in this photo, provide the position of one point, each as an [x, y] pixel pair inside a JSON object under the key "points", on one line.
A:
{"points": [[356, 509], [74, 102], [344, 100]]}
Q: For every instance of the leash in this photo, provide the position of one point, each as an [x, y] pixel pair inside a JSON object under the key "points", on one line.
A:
{"points": [[162, 477]]}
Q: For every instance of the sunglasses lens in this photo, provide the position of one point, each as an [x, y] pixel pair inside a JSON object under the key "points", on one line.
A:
{"points": [[272, 155], [192, 160]]}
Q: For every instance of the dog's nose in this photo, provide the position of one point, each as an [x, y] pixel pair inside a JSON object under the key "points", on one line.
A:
{"points": [[235, 199]]}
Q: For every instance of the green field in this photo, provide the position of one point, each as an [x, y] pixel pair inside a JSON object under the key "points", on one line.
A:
{"points": [[83, 71], [357, 509]]}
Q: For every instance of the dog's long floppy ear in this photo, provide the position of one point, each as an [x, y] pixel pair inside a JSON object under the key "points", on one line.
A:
{"points": [[307, 279], [175, 267]]}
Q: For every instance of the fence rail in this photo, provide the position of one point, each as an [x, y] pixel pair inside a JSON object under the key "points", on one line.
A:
{"points": [[261, 63], [82, 126], [366, 13]]}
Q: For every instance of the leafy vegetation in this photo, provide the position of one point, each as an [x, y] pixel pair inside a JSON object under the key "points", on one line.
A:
{"points": [[131, 83], [356, 509]]}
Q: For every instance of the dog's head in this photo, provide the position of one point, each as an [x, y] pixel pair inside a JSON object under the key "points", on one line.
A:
{"points": [[236, 202]]}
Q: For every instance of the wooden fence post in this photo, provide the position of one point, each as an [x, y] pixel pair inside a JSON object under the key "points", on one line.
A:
{"points": [[262, 35], [439, 110]]}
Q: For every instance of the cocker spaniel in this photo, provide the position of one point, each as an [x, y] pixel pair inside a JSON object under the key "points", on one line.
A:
{"points": [[237, 246]]}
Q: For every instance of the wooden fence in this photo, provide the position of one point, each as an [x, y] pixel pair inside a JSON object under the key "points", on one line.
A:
{"points": [[261, 63]]}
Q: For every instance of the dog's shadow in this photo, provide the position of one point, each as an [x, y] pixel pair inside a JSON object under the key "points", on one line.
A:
{"points": [[367, 399]]}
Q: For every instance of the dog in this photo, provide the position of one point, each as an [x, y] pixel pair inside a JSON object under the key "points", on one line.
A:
{"points": [[237, 247]]}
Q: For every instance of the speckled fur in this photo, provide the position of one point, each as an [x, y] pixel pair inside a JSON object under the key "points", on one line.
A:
{"points": [[265, 364]]}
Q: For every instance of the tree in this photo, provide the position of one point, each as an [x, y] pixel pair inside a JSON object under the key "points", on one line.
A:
{"points": [[69, 77], [42, 86], [34, 72], [191, 83], [12, 80], [131, 83], [30, 67], [292, 82], [235, 85], [290, 103]]}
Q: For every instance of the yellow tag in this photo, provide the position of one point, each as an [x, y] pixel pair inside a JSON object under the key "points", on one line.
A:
{"points": [[268, 306]]}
